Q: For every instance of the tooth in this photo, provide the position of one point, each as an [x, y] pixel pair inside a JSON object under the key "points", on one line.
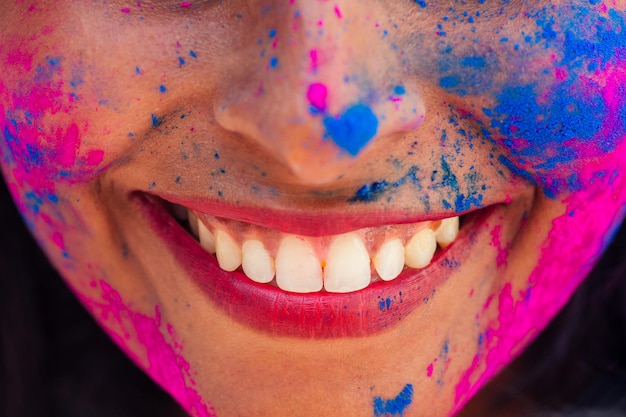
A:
{"points": [[347, 264], [207, 240], [419, 251], [193, 223], [227, 251], [257, 263], [297, 267], [389, 260], [447, 231]]}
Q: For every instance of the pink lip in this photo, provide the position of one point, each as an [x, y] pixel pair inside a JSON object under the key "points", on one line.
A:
{"points": [[315, 315]]}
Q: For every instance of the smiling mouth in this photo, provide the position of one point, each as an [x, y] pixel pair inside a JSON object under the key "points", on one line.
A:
{"points": [[339, 263], [365, 279]]}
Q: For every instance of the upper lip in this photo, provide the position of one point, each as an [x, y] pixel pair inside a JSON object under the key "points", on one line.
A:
{"points": [[323, 221]]}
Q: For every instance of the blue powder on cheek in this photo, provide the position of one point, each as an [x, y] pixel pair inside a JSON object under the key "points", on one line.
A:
{"points": [[395, 406], [352, 130], [546, 128]]}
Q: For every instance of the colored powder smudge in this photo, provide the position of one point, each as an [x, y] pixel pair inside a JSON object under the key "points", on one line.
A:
{"points": [[395, 406], [161, 359], [352, 130], [314, 59], [273, 62], [316, 95], [370, 192]]}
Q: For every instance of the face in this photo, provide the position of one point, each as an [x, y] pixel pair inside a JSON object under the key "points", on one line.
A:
{"points": [[331, 147]]}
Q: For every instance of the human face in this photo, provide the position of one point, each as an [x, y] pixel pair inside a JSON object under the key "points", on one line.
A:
{"points": [[315, 119]]}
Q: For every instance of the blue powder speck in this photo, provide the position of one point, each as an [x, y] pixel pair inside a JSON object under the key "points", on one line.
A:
{"points": [[273, 62], [352, 130], [193, 54], [370, 192], [399, 90], [272, 33], [155, 120], [162, 88]]}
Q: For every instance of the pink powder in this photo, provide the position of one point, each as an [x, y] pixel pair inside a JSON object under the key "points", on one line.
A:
{"points": [[160, 359], [317, 94], [553, 281]]}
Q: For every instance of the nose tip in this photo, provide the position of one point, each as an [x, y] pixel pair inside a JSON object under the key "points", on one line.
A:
{"points": [[317, 145], [324, 96]]}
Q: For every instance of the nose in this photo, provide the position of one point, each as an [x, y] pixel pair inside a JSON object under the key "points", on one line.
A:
{"points": [[316, 84]]}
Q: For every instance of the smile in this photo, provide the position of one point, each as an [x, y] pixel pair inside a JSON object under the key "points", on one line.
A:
{"points": [[336, 263], [353, 283]]}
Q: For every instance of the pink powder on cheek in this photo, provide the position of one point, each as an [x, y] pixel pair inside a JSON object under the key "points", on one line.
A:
{"points": [[522, 316], [163, 361]]}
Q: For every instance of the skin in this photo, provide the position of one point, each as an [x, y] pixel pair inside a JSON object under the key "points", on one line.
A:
{"points": [[497, 109]]}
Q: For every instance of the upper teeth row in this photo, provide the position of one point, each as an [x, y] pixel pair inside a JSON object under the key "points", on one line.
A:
{"points": [[347, 264]]}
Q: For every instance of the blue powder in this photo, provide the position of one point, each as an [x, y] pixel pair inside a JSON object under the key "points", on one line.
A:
{"points": [[272, 33], [156, 120], [395, 406], [399, 90], [474, 62], [273, 62], [193, 54], [449, 81], [421, 3], [162, 88], [352, 130], [181, 61], [370, 192]]}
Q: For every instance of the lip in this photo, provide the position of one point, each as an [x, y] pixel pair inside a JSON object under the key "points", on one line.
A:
{"points": [[268, 309], [315, 222]]}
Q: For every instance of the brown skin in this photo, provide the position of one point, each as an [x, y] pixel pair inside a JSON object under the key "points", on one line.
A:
{"points": [[238, 370]]}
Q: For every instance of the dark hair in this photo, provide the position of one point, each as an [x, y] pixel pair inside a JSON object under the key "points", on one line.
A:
{"points": [[56, 361]]}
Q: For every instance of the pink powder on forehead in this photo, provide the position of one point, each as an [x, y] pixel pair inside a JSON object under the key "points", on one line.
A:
{"points": [[161, 360]]}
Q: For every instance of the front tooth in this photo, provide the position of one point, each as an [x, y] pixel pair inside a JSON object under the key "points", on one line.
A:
{"points": [[419, 251], [297, 267], [193, 223], [347, 265], [447, 231], [389, 260], [207, 240], [227, 251], [257, 263]]}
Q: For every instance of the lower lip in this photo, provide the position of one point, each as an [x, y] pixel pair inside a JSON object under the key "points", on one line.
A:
{"points": [[382, 305]]}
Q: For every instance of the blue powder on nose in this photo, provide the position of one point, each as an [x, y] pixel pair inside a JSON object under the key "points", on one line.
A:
{"points": [[395, 406], [399, 90], [352, 130]]}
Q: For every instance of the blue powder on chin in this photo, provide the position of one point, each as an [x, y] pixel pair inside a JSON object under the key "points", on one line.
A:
{"points": [[352, 130], [395, 406]]}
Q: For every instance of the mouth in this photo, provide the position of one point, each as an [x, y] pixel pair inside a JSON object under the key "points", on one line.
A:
{"points": [[351, 284]]}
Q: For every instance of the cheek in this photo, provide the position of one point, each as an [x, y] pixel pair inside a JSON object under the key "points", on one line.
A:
{"points": [[44, 159], [574, 110]]}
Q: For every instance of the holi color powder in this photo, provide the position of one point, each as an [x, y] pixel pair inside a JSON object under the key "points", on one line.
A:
{"points": [[353, 129], [395, 406]]}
